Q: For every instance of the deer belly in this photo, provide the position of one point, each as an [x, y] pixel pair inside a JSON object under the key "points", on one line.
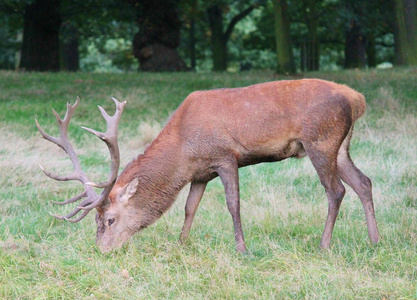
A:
{"points": [[272, 153]]}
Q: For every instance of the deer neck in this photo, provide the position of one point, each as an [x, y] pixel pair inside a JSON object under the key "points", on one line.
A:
{"points": [[161, 176]]}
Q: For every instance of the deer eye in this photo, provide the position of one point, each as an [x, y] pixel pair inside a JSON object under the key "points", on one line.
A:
{"points": [[111, 221]]}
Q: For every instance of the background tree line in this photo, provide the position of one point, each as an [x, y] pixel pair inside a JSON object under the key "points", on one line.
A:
{"points": [[179, 35]]}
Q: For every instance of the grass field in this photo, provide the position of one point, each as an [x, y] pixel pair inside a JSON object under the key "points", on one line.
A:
{"points": [[283, 204]]}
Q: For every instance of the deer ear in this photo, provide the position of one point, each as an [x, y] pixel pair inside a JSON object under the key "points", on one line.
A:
{"points": [[127, 191]]}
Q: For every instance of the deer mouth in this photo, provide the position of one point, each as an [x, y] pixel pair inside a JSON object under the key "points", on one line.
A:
{"points": [[107, 245]]}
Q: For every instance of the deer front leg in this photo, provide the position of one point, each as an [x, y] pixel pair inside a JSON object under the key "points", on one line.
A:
{"points": [[229, 176], [193, 200]]}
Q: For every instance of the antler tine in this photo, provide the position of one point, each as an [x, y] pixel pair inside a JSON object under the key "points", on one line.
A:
{"points": [[73, 176], [72, 214], [112, 122], [65, 121], [73, 199], [70, 111], [67, 217], [57, 117], [47, 136], [82, 216]]}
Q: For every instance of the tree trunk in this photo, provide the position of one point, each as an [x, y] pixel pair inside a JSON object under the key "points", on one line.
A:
{"points": [[193, 57], [40, 48], [69, 47], [303, 55], [405, 36], [312, 52], [371, 51], [355, 47], [400, 36], [159, 35], [285, 59], [218, 40]]}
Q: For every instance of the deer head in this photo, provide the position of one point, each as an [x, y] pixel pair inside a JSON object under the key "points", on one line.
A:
{"points": [[112, 205], [117, 219]]}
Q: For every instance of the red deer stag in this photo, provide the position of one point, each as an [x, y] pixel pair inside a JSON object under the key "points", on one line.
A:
{"points": [[213, 133]]}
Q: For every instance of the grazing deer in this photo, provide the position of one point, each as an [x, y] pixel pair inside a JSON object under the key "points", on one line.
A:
{"points": [[213, 133]]}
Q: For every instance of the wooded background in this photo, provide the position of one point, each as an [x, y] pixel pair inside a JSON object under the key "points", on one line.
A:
{"points": [[177, 35]]}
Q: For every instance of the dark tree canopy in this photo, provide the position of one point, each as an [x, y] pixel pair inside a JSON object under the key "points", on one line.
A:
{"points": [[53, 35]]}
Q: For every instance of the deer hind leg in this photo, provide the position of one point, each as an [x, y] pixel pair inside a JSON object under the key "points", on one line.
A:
{"points": [[193, 200], [361, 184], [229, 175], [323, 155]]}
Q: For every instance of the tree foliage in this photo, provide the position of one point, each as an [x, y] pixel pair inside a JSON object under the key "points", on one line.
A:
{"points": [[213, 34]]}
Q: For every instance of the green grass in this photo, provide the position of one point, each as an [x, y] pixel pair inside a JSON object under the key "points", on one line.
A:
{"points": [[283, 204]]}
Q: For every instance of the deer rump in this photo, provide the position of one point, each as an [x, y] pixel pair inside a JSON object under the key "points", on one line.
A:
{"points": [[215, 132]]}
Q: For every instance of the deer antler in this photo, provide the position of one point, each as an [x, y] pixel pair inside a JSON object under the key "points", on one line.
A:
{"points": [[109, 137]]}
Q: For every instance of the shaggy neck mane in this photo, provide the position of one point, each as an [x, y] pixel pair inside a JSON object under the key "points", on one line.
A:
{"points": [[160, 178]]}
